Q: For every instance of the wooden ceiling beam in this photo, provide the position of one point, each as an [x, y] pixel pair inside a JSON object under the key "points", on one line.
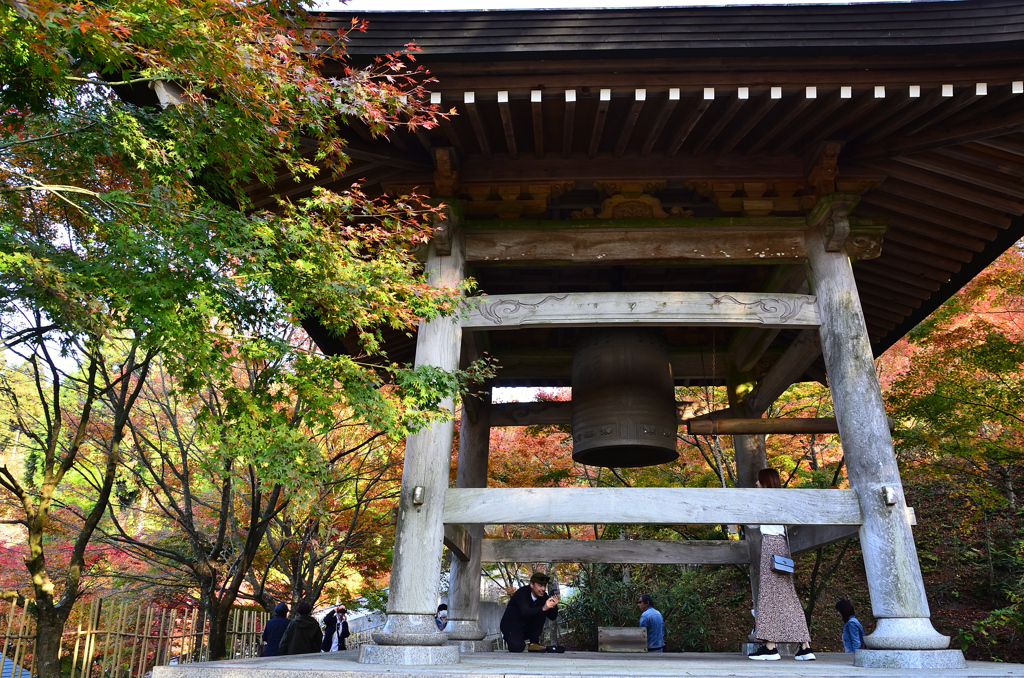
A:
{"points": [[568, 122], [814, 118], [448, 126], [946, 109], [506, 123], [724, 119], [982, 156], [961, 172], [881, 309], [691, 120], [1006, 144], [926, 258], [469, 101], [862, 105], [664, 113], [604, 101], [921, 107], [897, 263], [984, 128], [907, 294], [895, 203], [537, 110], [898, 277], [929, 181], [887, 298], [985, 104], [766, 102], [928, 245], [783, 123], [893, 102], [924, 228], [935, 199], [639, 97]]}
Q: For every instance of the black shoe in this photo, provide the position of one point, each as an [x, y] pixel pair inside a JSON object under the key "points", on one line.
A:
{"points": [[805, 655], [764, 654]]}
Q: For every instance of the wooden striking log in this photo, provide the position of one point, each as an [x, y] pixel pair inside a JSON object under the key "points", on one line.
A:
{"points": [[640, 309], [717, 552], [793, 425], [649, 506]]}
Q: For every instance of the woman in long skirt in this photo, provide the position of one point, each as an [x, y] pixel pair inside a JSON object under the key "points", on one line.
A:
{"points": [[778, 615]]}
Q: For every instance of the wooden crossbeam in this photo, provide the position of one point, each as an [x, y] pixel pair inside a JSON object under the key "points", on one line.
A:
{"points": [[559, 413], [506, 123], [709, 552], [800, 355], [557, 364], [664, 113], [747, 240], [804, 538], [603, 102], [650, 506], [763, 426], [639, 97], [664, 309]]}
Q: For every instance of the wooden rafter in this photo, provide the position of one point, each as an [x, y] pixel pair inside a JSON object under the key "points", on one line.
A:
{"points": [[782, 124], [766, 102], [506, 123], [691, 120], [963, 172], [822, 112], [668, 106], [724, 119], [469, 101], [603, 102], [567, 125], [985, 128], [932, 182], [639, 97], [537, 111]]}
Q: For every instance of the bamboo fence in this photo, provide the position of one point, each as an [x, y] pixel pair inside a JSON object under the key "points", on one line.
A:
{"points": [[124, 639]]}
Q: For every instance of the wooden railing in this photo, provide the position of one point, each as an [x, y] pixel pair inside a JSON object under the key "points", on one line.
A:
{"points": [[123, 639]]}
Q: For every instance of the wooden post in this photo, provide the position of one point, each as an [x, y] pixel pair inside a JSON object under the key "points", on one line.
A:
{"points": [[890, 558], [464, 592], [410, 635]]}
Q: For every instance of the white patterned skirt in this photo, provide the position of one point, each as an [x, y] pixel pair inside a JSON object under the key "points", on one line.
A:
{"points": [[779, 616]]}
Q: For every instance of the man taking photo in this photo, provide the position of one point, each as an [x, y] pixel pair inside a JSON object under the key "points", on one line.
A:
{"points": [[525, 614]]}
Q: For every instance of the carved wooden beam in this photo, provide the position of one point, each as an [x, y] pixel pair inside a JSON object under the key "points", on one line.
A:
{"points": [[650, 506], [458, 540], [664, 309], [719, 552]]}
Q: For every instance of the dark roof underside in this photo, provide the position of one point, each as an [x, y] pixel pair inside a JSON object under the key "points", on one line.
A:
{"points": [[894, 28]]}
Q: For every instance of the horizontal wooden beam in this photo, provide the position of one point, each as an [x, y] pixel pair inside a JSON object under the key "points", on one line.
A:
{"points": [[557, 364], [658, 309], [650, 506], [705, 242], [719, 552], [559, 413], [458, 540], [794, 425], [809, 537]]}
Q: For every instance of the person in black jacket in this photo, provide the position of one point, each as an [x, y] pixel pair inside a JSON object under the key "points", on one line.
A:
{"points": [[303, 634], [334, 637], [524, 616], [274, 630]]}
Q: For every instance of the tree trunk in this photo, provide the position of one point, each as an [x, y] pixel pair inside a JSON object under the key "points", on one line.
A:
{"points": [[220, 616], [49, 631]]}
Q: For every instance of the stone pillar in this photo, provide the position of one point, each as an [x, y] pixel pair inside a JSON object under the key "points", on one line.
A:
{"points": [[464, 594], [890, 558], [410, 635]]}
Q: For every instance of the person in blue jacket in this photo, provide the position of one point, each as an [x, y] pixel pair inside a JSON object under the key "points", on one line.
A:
{"points": [[274, 630], [853, 632], [652, 620]]}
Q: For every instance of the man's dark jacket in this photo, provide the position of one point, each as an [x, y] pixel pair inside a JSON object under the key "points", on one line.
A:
{"points": [[302, 636], [273, 632], [330, 628], [524, 612]]}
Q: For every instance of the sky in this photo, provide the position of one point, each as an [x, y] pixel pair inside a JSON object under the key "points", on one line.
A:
{"points": [[401, 5]]}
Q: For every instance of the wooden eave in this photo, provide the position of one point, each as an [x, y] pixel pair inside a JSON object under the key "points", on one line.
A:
{"points": [[925, 99]]}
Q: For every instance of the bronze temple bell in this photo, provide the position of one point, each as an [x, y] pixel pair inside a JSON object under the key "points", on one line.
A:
{"points": [[623, 401]]}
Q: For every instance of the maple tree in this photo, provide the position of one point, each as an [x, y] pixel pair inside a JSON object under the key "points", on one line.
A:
{"points": [[129, 133]]}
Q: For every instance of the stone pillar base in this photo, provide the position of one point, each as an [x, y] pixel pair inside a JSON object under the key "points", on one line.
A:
{"points": [[409, 654], [464, 629], [410, 629], [909, 659], [915, 633], [472, 646]]}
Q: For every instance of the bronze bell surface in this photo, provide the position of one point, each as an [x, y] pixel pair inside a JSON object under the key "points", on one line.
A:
{"points": [[623, 401]]}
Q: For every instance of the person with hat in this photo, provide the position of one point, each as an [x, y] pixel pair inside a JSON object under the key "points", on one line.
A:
{"points": [[525, 614]]}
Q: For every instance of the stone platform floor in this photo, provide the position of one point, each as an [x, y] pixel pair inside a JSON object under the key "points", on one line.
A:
{"points": [[574, 664]]}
